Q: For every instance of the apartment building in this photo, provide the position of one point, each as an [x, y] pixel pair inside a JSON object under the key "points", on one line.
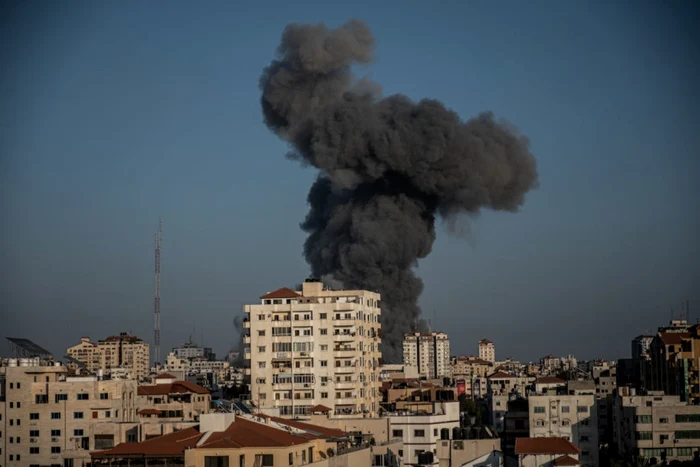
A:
{"points": [[124, 352], [654, 424], [572, 417], [641, 346], [429, 352], [422, 431], [466, 367], [487, 350], [191, 350], [313, 347], [171, 400], [48, 417]]}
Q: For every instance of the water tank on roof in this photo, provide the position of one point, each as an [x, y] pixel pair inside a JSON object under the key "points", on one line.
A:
{"points": [[12, 362], [23, 362]]}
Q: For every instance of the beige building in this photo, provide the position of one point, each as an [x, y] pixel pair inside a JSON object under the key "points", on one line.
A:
{"points": [[429, 352], [249, 441], [124, 352], [571, 417], [314, 346], [546, 452], [482, 451], [467, 367], [655, 424], [50, 418], [487, 350]]}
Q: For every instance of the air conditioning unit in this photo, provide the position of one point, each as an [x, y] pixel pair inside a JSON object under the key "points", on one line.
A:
{"points": [[55, 439]]}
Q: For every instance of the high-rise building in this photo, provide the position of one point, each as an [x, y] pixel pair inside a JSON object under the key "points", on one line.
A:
{"points": [[191, 350], [429, 352], [640, 346], [314, 347], [487, 350], [123, 351]]}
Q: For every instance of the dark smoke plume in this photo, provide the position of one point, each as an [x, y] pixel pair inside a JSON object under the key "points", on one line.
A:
{"points": [[388, 166]]}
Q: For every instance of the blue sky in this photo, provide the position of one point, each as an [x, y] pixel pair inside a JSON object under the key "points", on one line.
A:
{"points": [[115, 113]]}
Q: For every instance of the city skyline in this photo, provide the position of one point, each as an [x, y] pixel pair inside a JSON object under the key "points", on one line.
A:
{"points": [[103, 129]]}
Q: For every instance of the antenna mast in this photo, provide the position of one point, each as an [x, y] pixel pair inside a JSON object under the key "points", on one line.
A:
{"points": [[156, 301]]}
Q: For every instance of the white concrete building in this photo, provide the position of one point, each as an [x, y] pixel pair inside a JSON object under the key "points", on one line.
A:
{"points": [[313, 347], [429, 352], [572, 417], [421, 432], [487, 350]]}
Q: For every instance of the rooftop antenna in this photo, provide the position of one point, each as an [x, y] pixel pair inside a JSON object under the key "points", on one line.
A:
{"points": [[156, 300]]}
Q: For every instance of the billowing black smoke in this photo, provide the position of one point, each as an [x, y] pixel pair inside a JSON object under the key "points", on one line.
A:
{"points": [[388, 166]]}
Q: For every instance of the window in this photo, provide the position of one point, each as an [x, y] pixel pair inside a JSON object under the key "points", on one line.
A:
{"points": [[241, 461], [19, 404], [12, 405], [584, 438], [12, 385], [261, 364], [419, 433], [565, 422], [108, 414], [663, 420], [435, 432], [324, 362], [564, 409], [397, 433], [77, 415], [663, 437], [688, 434], [19, 422], [539, 423], [55, 449], [33, 416], [323, 315], [684, 452], [582, 409], [83, 397], [264, 460], [41, 398], [291, 458], [539, 409], [261, 348], [261, 333], [262, 317], [645, 418], [688, 418], [34, 450], [643, 435], [34, 433], [324, 332], [55, 415], [324, 395], [77, 432], [55, 433], [19, 385], [104, 396], [61, 397]]}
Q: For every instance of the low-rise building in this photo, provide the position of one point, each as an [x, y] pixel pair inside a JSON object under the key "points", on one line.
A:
{"points": [[467, 367], [246, 441], [473, 446], [421, 431], [174, 401]]}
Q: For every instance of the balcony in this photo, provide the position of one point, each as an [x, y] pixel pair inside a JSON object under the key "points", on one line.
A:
{"points": [[282, 356], [346, 401], [349, 337], [347, 352], [346, 384], [282, 386], [246, 323], [246, 339], [345, 369]]}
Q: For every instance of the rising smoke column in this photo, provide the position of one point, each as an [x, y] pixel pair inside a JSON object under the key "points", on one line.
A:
{"points": [[388, 166]]}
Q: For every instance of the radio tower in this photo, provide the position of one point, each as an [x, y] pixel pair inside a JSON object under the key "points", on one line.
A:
{"points": [[156, 301]]}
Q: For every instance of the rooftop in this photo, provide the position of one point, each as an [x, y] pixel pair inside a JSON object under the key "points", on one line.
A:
{"points": [[176, 387], [283, 292], [549, 380], [545, 446]]}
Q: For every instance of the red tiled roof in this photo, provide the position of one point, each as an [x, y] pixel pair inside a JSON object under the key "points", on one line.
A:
{"points": [[173, 444], [177, 387], [500, 375], [545, 446], [149, 412], [165, 376], [284, 292], [566, 460], [673, 338], [320, 408], [549, 380], [246, 433]]}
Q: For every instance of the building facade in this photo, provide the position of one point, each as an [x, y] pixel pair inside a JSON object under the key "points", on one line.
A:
{"points": [[51, 418], [314, 347], [654, 425], [572, 417], [487, 350], [429, 352], [123, 352]]}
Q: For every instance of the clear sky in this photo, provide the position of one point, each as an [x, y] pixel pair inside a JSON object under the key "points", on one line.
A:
{"points": [[115, 113]]}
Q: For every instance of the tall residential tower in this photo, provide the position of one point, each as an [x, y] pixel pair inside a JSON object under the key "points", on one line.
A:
{"points": [[429, 352]]}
